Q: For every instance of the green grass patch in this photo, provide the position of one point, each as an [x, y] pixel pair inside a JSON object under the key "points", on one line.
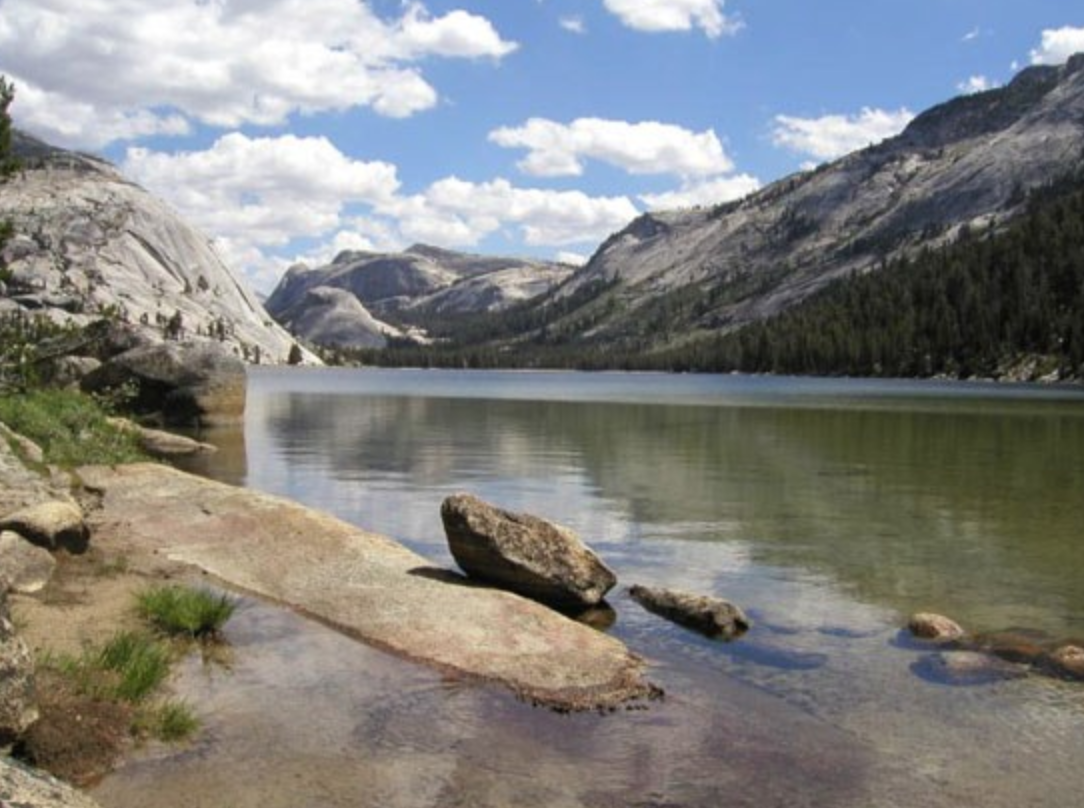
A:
{"points": [[174, 721], [185, 611], [70, 427], [140, 663], [128, 668]]}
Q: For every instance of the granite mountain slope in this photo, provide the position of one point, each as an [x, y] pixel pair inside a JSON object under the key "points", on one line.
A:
{"points": [[88, 243], [969, 163], [396, 294]]}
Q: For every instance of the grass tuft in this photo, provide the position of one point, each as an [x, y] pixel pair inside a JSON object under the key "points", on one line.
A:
{"points": [[174, 721], [139, 661], [185, 611]]}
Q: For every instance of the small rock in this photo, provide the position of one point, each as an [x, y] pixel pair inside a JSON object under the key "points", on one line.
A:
{"points": [[52, 525], [524, 554], [25, 567], [1065, 662], [26, 447], [929, 626], [163, 444], [714, 617]]}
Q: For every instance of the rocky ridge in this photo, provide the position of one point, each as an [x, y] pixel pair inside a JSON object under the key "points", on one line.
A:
{"points": [[354, 300], [90, 244], [968, 163]]}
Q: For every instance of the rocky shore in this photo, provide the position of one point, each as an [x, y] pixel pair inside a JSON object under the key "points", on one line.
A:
{"points": [[142, 522]]}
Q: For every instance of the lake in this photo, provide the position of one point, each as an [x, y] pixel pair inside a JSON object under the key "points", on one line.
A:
{"points": [[828, 509]]}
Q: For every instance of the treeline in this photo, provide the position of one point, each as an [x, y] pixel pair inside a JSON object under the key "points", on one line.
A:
{"points": [[986, 303]]}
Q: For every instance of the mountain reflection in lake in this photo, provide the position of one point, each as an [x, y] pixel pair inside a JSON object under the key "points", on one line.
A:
{"points": [[828, 510]]}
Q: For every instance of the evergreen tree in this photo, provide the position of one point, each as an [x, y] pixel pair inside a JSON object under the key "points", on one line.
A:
{"points": [[8, 163]]}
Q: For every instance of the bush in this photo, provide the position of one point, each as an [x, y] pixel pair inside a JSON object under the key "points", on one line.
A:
{"points": [[71, 428], [177, 610]]}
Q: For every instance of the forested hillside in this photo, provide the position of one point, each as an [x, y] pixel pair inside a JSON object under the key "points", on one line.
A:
{"points": [[991, 304], [988, 305]]}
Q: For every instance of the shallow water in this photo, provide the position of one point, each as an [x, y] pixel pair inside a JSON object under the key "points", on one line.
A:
{"points": [[828, 509]]}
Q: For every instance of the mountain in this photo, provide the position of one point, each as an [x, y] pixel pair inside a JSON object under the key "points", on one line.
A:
{"points": [[88, 243], [396, 294], [679, 281], [967, 163]]}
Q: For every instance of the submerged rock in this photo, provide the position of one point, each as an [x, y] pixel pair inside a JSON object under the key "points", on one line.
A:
{"points": [[712, 616], [52, 525], [524, 554], [930, 626], [1065, 662], [966, 668], [163, 444], [1019, 645]]}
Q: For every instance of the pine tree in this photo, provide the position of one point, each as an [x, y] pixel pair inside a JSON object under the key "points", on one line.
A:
{"points": [[8, 163]]}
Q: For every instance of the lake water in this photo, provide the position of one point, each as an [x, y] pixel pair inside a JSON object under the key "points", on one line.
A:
{"points": [[829, 510]]}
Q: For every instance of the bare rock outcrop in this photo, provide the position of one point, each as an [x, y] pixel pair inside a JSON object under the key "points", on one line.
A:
{"points": [[89, 244], [365, 584], [56, 525], [967, 163], [18, 706], [714, 617], [524, 554], [190, 384], [27, 567], [352, 300], [23, 787]]}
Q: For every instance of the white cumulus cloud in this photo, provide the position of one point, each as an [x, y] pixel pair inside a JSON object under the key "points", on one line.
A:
{"points": [[256, 194], [674, 15], [557, 149], [832, 136], [573, 259], [458, 212], [260, 198], [712, 192], [574, 25], [226, 63], [975, 84], [1057, 45]]}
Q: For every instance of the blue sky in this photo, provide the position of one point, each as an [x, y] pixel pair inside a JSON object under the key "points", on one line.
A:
{"points": [[290, 129]]}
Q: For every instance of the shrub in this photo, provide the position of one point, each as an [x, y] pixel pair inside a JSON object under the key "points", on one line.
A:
{"points": [[184, 611]]}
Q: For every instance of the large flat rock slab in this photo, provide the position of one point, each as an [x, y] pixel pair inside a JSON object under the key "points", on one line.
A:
{"points": [[364, 584]]}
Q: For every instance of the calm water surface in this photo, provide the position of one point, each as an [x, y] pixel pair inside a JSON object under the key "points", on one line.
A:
{"points": [[829, 510]]}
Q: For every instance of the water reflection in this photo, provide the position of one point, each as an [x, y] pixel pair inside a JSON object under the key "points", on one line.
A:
{"points": [[827, 512], [971, 512]]}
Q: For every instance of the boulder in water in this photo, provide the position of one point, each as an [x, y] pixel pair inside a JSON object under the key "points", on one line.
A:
{"points": [[930, 626], [524, 554], [712, 616]]}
